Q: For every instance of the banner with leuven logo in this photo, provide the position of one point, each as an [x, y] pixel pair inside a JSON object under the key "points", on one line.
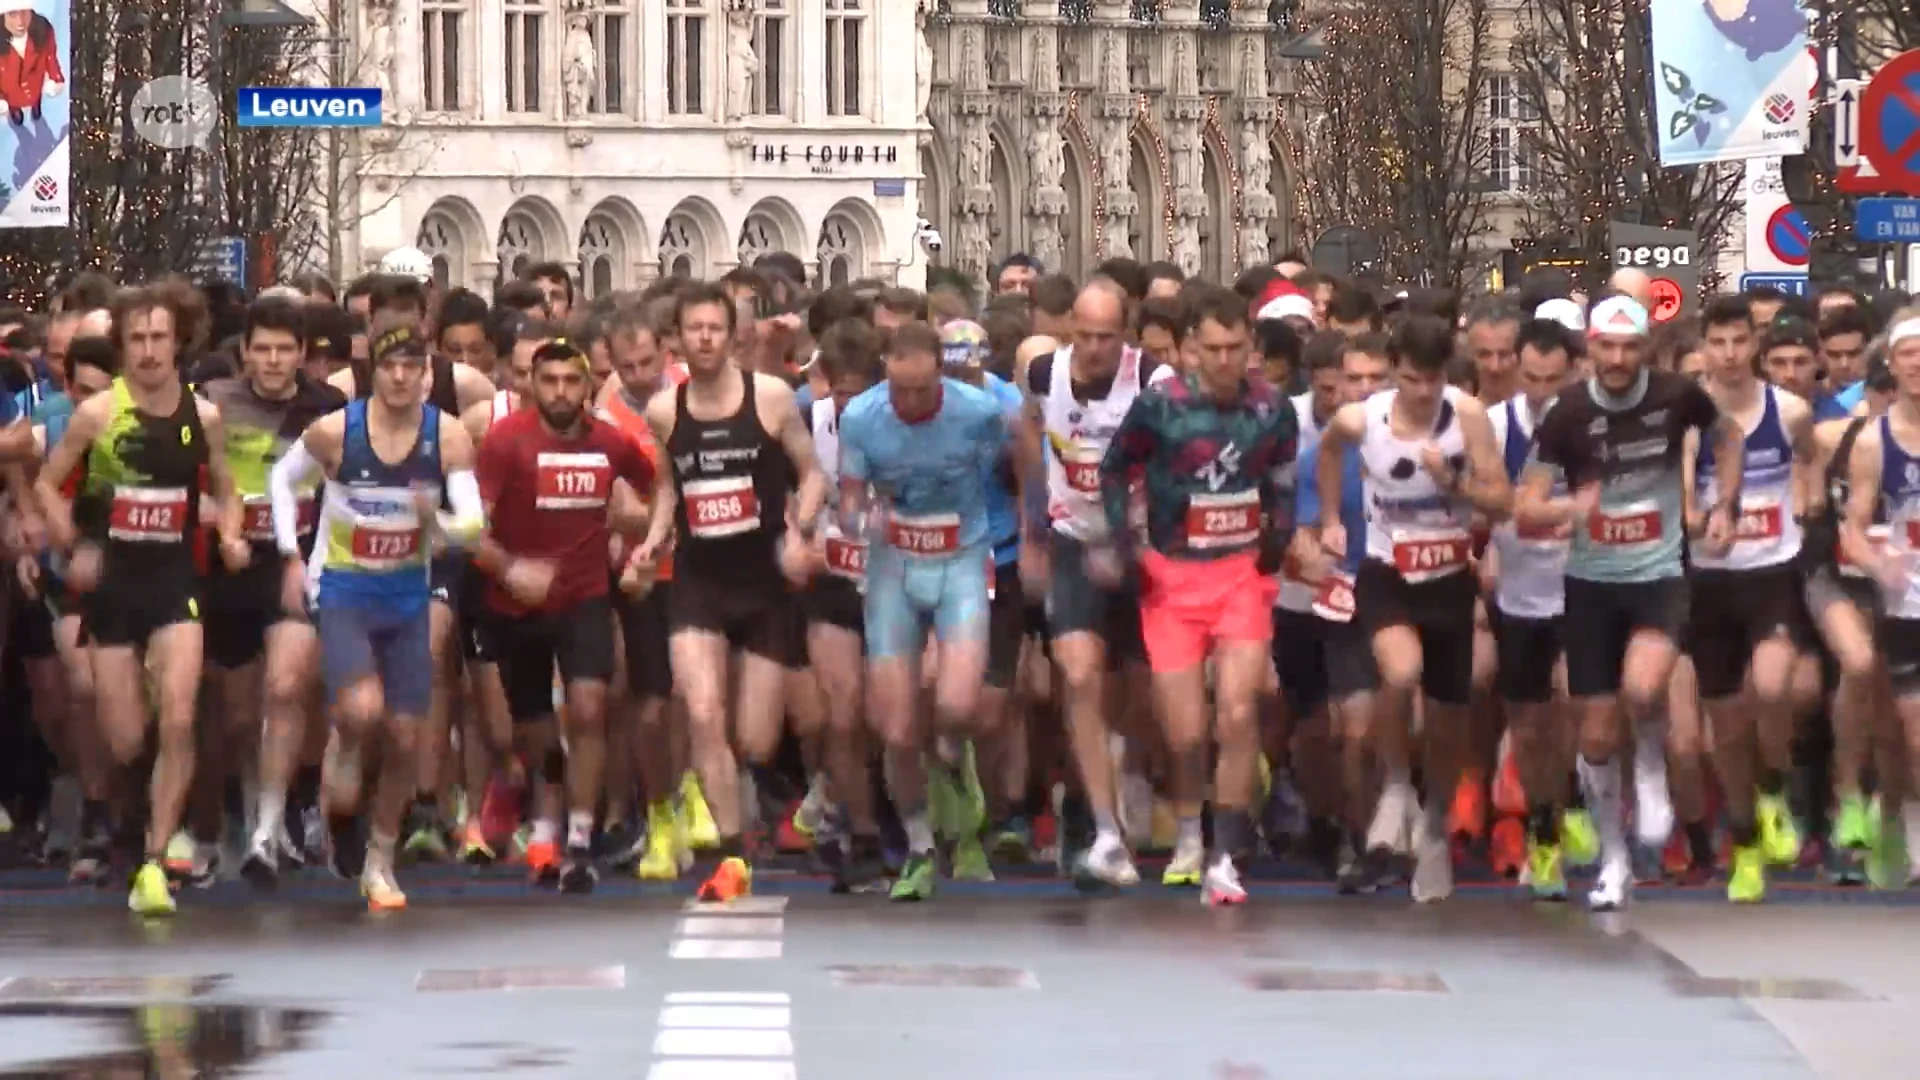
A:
{"points": [[1732, 79], [35, 69]]}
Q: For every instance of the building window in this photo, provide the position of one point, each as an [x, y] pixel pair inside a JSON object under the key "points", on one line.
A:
{"points": [[1513, 153], [524, 44], [609, 25], [686, 57], [769, 93], [846, 26], [441, 24], [1502, 103]]}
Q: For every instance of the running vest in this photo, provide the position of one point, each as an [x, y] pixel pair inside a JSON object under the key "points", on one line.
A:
{"points": [[1839, 490], [146, 474], [1766, 534], [1900, 494], [1077, 435], [1303, 412], [373, 550], [1533, 563], [1413, 525], [733, 479], [258, 431], [846, 556], [632, 419]]}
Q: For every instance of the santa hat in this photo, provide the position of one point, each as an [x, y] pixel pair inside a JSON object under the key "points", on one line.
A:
{"points": [[1282, 299], [8, 7]]}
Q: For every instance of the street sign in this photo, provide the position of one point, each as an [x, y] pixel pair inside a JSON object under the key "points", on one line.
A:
{"points": [[1887, 220], [1789, 240], [1667, 299], [1791, 284], [1665, 254], [1890, 120], [1846, 123], [222, 259]]}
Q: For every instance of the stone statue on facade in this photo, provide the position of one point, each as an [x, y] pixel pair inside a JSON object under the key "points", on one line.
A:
{"points": [[380, 51], [922, 64], [1184, 161], [1116, 156], [1113, 66], [1046, 156], [742, 63], [1254, 248], [1184, 79], [1253, 71], [1256, 160], [975, 248], [974, 169], [1184, 245], [579, 65]]}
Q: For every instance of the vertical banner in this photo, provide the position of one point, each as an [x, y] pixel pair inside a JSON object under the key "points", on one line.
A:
{"points": [[1732, 79], [35, 66]]}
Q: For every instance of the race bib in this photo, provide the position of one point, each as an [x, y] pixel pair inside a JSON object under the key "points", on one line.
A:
{"points": [[1422, 555], [927, 534], [1223, 520], [1540, 535], [257, 521], [571, 481], [1878, 536], [1625, 526], [1333, 600], [148, 515], [1759, 521], [1083, 470], [846, 558], [721, 508], [385, 544]]}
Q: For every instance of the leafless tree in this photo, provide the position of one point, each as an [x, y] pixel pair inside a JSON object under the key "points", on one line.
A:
{"points": [[1396, 141], [1582, 71]]}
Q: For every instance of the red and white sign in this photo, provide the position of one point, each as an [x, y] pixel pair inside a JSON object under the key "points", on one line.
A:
{"points": [[927, 534], [571, 481], [385, 544], [258, 520], [1425, 554], [148, 515], [717, 509], [846, 558], [1668, 298], [1635, 523], [1223, 520]]}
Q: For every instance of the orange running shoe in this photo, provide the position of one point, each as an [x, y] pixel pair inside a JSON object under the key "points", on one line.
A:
{"points": [[1509, 794], [1677, 859], [1467, 817], [1509, 848], [543, 860], [731, 880]]}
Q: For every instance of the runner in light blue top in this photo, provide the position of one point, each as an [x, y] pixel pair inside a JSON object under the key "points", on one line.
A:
{"points": [[925, 444]]}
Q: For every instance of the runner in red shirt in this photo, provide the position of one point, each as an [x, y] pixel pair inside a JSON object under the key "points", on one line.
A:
{"points": [[545, 475]]}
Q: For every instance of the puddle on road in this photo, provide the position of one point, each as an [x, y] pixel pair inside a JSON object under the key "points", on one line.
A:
{"points": [[173, 1041]]}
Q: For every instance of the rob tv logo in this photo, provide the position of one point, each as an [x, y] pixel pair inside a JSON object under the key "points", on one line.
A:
{"points": [[308, 106]]}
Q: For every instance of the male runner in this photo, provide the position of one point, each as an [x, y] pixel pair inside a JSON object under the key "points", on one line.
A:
{"points": [[1429, 461], [1748, 619], [850, 356], [151, 450], [736, 443], [265, 410], [1528, 569], [1884, 475], [1215, 450], [1076, 398], [924, 444], [546, 475], [1616, 440], [388, 459]]}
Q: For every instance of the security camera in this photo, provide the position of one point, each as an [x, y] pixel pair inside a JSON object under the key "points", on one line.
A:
{"points": [[929, 237]]}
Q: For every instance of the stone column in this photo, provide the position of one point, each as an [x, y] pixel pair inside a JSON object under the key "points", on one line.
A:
{"points": [[1254, 115], [1113, 110]]}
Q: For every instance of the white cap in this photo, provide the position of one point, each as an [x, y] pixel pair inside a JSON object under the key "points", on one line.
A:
{"points": [[1619, 315], [410, 261], [1563, 311], [8, 7], [1290, 306], [275, 292]]}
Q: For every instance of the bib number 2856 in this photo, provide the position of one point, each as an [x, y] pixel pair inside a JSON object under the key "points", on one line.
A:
{"points": [[721, 508]]}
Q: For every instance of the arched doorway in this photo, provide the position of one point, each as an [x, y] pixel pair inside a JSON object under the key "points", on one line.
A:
{"points": [[1076, 225], [1008, 208], [1147, 233], [1216, 226]]}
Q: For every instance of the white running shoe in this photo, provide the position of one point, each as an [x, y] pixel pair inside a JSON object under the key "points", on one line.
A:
{"points": [[1432, 866], [1222, 886], [1108, 862], [1652, 804], [1389, 828], [1189, 861], [1615, 883]]}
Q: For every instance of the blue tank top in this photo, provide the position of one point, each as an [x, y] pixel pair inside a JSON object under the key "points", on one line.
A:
{"points": [[1003, 513], [373, 549]]}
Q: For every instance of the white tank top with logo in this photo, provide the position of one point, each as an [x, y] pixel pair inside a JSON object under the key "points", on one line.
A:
{"points": [[1413, 524], [1766, 533], [1076, 437], [846, 556]]}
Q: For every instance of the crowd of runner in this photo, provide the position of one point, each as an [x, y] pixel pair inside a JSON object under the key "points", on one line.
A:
{"points": [[925, 584]]}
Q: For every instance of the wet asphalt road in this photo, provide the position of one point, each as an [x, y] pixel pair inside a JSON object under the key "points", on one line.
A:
{"points": [[1022, 979]]}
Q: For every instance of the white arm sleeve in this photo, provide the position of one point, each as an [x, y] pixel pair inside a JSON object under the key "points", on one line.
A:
{"points": [[469, 515], [293, 469]]}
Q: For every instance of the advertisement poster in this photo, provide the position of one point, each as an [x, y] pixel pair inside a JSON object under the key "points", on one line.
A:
{"points": [[34, 72], [1731, 79]]}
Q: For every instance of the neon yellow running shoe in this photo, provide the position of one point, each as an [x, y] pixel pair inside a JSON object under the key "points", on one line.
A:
{"points": [[1851, 827], [665, 848], [1546, 872], [150, 894], [1887, 864], [970, 860], [696, 818], [1779, 835], [1579, 840], [1747, 879]]}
